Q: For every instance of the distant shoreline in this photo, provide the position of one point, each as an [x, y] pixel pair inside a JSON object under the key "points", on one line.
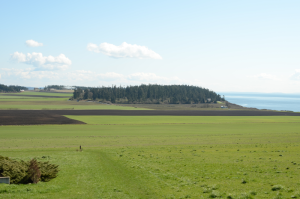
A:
{"points": [[266, 101]]}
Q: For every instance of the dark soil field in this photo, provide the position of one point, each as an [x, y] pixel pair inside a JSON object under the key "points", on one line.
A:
{"points": [[33, 117], [11, 117], [172, 113]]}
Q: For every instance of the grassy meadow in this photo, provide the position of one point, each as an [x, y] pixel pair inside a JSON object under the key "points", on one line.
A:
{"points": [[68, 95], [201, 106], [161, 157], [31, 100]]}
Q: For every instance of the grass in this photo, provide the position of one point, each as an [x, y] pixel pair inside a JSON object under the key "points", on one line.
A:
{"points": [[16, 102], [184, 119], [25, 100], [39, 93], [203, 106], [160, 157], [33, 99], [68, 107]]}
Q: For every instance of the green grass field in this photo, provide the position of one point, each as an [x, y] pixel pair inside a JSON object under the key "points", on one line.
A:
{"points": [[184, 119], [38, 93], [66, 107], [161, 157], [22, 100], [23, 97], [28, 101]]}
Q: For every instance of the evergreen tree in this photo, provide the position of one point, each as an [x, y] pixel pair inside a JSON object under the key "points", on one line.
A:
{"points": [[175, 94]]}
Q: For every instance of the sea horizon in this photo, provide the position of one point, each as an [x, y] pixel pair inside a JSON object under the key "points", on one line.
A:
{"points": [[271, 101]]}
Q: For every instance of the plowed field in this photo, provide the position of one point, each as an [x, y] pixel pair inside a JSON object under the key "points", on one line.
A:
{"points": [[33, 117]]}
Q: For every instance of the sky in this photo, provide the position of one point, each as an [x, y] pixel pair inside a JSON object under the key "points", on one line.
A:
{"points": [[225, 46]]}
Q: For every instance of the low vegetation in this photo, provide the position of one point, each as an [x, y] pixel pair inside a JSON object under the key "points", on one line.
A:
{"points": [[24, 172], [148, 156], [160, 157], [30, 100]]}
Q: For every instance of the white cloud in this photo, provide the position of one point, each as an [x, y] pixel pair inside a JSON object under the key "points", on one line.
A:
{"points": [[93, 47], [32, 43], [29, 73], [296, 75], [88, 76], [80, 75], [151, 77], [125, 50], [111, 76], [41, 62], [266, 76], [135, 78]]}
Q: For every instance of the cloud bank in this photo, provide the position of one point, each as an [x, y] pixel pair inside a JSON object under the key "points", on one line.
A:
{"points": [[266, 76], [32, 43], [135, 78], [151, 77], [30, 73], [125, 50], [41, 62], [88, 76], [296, 75]]}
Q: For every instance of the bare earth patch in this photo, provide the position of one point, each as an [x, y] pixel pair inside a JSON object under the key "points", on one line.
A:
{"points": [[36, 117]]}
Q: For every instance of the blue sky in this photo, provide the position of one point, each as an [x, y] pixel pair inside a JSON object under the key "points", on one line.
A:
{"points": [[241, 46]]}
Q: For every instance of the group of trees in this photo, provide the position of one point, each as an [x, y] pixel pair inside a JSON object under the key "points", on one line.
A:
{"points": [[56, 87], [169, 94], [12, 88]]}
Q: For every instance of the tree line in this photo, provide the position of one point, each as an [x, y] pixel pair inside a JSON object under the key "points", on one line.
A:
{"points": [[11, 88], [56, 87], [167, 94]]}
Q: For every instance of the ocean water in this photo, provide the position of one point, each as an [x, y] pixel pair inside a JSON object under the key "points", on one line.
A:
{"points": [[272, 101]]}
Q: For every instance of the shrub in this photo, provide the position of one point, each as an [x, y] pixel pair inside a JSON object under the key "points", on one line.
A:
{"points": [[21, 172], [34, 171], [48, 171], [17, 171]]}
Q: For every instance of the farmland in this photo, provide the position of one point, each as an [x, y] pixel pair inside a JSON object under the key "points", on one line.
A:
{"points": [[150, 153], [159, 157], [50, 101]]}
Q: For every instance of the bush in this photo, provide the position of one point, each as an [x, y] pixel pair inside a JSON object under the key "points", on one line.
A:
{"points": [[17, 171], [21, 172], [48, 171], [34, 171]]}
